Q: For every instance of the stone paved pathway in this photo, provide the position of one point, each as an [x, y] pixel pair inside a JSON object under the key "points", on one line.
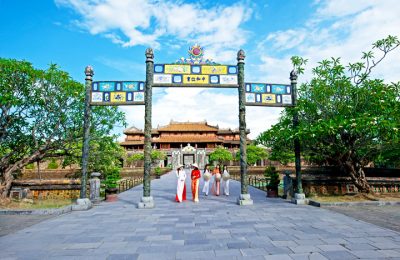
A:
{"points": [[383, 216], [12, 223], [216, 228]]}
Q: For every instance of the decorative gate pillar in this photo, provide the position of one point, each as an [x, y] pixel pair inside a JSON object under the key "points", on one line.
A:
{"points": [[147, 199], [86, 130], [244, 198], [299, 196], [83, 203]]}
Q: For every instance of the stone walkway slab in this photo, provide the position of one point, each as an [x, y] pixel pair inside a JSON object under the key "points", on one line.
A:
{"points": [[215, 228]]}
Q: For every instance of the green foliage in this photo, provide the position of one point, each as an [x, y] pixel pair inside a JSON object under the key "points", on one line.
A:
{"points": [[298, 64], [346, 118], [132, 159], [112, 178], [105, 156], [254, 154], [30, 166], [52, 164], [157, 170], [41, 116], [271, 173], [220, 155], [389, 157], [157, 155]]}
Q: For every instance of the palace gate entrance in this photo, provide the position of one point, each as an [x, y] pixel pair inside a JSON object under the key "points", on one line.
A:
{"points": [[195, 71]]}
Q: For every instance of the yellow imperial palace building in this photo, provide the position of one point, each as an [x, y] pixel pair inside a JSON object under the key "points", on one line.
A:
{"points": [[184, 142]]}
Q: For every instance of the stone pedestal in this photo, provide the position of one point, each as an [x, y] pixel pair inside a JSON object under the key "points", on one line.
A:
{"points": [[82, 204], [112, 197], [146, 203], [94, 187], [287, 186], [244, 200], [300, 199]]}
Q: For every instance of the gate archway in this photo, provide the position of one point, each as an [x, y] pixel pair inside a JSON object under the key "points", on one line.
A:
{"points": [[192, 72]]}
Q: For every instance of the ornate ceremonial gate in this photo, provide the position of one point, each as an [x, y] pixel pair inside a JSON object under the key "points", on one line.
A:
{"points": [[192, 72]]}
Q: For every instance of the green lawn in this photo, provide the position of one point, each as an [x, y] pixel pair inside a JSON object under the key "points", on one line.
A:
{"points": [[37, 204]]}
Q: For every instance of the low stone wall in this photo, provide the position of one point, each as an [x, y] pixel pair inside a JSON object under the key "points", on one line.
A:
{"points": [[131, 172], [127, 172], [316, 180], [46, 189], [50, 174], [331, 181]]}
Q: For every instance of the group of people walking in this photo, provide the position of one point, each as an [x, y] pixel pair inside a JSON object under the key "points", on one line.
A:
{"points": [[215, 178]]}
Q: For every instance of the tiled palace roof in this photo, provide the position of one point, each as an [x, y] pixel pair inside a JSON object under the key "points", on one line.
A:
{"points": [[184, 132], [188, 127]]}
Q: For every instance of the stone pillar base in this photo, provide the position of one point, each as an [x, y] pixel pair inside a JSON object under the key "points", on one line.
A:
{"points": [[244, 200], [82, 204], [146, 203], [96, 201], [300, 199]]}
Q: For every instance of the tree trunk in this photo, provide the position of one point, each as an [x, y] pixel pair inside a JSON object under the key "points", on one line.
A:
{"points": [[38, 170], [7, 174], [6, 185], [357, 175]]}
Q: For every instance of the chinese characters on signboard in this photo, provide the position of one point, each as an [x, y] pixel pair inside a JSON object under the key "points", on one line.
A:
{"points": [[275, 95], [117, 93], [175, 75]]}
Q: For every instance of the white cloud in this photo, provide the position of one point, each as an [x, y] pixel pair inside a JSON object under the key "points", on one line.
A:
{"points": [[283, 40], [275, 70], [123, 65], [137, 22], [340, 8], [339, 29]]}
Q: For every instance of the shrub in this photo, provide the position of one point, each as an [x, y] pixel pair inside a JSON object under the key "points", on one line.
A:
{"points": [[157, 156], [134, 158], [157, 170], [112, 178], [52, 164], [30, 166], [272, 173]]}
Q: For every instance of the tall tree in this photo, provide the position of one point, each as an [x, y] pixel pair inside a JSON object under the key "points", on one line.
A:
{"points": [[347, 118], [132, 159], [220, 155], [41, 116], [254, 154]]}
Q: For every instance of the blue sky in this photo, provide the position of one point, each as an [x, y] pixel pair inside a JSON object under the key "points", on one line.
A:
{"points": [[112, 35]]}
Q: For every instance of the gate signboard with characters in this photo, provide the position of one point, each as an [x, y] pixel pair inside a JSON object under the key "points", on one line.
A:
{"points": [[187, 75], [113, 93], [272, 95]]}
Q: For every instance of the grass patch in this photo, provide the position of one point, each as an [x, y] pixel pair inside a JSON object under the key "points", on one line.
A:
{"points": [[37, 204], [357, 197]]}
